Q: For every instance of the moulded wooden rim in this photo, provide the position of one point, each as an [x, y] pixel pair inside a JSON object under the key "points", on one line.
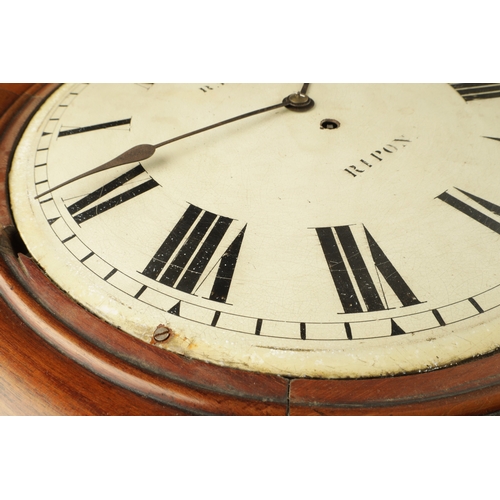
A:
{"points": [[194, 386]]}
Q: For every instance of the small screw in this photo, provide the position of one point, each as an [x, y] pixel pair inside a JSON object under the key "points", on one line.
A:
{"points": [[161, 333]]}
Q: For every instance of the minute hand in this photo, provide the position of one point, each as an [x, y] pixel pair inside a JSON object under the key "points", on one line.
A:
{"points": [[145, 151]]}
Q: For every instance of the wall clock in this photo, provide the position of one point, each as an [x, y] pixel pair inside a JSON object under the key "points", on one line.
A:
{"points": [[332, 249]]}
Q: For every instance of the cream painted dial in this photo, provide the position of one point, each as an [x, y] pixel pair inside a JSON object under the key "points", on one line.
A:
{"points": [[357, 238]]}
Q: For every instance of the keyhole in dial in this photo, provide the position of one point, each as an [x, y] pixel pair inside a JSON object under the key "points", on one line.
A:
{"points": [[329, 124]]}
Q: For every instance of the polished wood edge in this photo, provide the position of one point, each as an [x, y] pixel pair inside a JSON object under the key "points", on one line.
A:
{"points": [[36, 379], [481, 402], [18, 102], [147, 357], [13, 97], [468, 388], [111, 368]]}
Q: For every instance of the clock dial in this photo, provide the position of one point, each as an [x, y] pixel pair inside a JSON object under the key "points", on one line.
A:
{"points": [[356, 238]]}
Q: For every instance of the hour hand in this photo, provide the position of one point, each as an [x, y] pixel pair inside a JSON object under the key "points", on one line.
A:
{"points": [[136, 154], [296, 102]]}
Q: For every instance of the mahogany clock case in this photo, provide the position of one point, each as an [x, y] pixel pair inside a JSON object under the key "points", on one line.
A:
{"points": [[57, 358]]}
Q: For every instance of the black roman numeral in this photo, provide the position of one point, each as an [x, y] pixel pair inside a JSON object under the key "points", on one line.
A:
{"points": [[472, 91], [341, 237], [76, 208], [90, 128], [472, 212], [185, 254]]}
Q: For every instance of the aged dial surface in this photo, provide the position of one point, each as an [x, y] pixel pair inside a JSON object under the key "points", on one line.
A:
{"points": [[357, 238]]}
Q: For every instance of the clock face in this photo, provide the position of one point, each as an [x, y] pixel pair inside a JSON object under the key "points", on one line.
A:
{"points": [[357, 238]]}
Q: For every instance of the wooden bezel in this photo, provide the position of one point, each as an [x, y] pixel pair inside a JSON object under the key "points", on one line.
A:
{"points": [[58, 358]]}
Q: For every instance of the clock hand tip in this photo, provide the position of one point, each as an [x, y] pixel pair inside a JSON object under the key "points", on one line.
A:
{"points": [[132, 155]]}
